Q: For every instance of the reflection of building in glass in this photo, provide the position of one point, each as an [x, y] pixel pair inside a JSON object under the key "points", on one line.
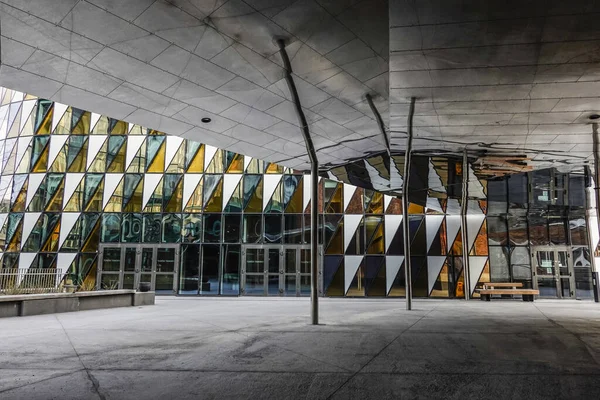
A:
{"points": [[114, 203]]}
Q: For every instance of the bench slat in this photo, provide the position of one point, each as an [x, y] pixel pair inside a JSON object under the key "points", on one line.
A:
{"points": [[509, 291], [503, 284]]}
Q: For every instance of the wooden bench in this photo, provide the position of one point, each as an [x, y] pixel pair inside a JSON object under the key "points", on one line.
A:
{"points": [[486, 294], [494, 285]]}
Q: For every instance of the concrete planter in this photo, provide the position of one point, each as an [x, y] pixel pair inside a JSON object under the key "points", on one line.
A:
{"points": [[50, 303]]}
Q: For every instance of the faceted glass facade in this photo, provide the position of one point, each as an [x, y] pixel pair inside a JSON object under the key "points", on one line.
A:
{"points": [[113, 204]]}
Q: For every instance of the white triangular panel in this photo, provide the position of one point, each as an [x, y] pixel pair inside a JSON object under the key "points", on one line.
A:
{"points": [[434, 266], [130, 127], [209, 153], [63, 262], [351, 222], [23, 145], [56, 143], [351, 264], [453, 207], [150, 183], [452, 227], [95, 143], [476, 266], [3, 218], [306, 184], [72, 180], [594, 231], [110, 184], [34, 183], [59, 111], [8, 149], [18, 96], [230, 182], [67, 221], [94, 120], [29, 221], [349, 191], [134, 143], [387, 199], [392, 222], [432, 225], [25, 261], [27, 109], [270, 182], [247, 160], [173, 144], [434, 204], [190, 182], [474, 223], [392, 266]]}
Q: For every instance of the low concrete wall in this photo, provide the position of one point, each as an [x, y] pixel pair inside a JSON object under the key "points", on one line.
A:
{"points": [[50, 303]]}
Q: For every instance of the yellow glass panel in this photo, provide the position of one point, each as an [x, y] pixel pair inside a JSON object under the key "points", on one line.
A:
{"points": [[155, 132], [46, 125], [79, 163], [116, 200], [255, 167], [64, 125], [215, 202], [357, 288], [55, 203], [197, 164], [101, 127], [136, 130], [158, 164], [194, 204], [237, 165], [15, 242], [118, 163], [335, 204], [135, 203], [42, 162], [99, 162], [74, 203], [336, 245], [377, 243], [295, 204], [120, 128], [376, 205], [177, 164], [91, 243], [255, 204], [274, 169], [442, 280], [83, 126], [30, 97], [174, 204], [19, 204], [60, 162], [216, 165], [415, 209], [95, 202], [52, 241]]}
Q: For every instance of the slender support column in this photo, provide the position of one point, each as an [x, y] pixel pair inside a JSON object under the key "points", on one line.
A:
{"points": [[590, 214], [595, 275], [464, 208], [380, 123], [405, 203], [314, 192]]}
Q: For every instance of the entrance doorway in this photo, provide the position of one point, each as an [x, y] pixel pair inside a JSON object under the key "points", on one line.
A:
{"points": [[124, 266], [275, 270], [553, 273]]}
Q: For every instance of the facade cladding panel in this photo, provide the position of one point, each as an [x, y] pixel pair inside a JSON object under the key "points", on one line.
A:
{"points": [[114, 204]]}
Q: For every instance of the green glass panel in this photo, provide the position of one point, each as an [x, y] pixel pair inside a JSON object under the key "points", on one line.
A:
{"points": [[192, 228], [131, 183], [41, 231], [43, 110], [152, 228], [45, 192], [171, 228], [111, 227], [253, 193], [72, 242], [170, 182], [92, 181], [153, 144], [14, 220], [88, 223], [131, 228], [275, 205], [210, 183], [236, 201], [77, 147], [194, 157], [114, 145], [39, 144]]}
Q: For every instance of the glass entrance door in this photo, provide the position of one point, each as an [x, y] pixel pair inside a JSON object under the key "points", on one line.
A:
{"points": [[125, 266], [553, 274], [273, 270]]}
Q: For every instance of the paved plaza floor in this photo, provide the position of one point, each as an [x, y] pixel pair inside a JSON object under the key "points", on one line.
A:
{"points": [[243, 348]]}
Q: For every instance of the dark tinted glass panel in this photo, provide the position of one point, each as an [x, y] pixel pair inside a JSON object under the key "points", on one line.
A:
{"points": [[273, 229], [498, 264], [190, 262], [578, 229], [212, 228], [211, 262], [111, 228], [517, 189], [517, 227], [231, 270], [252, 228], [131, 228], [576, 191], [538, 229], [231, 233], [293, 228], [171, 228], [556, 227], [497, 197], [152, 224], [497, 234], [192, 228]]}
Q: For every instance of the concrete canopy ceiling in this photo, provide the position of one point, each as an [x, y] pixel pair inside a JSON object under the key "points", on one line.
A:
{"points": [[503, 77]]}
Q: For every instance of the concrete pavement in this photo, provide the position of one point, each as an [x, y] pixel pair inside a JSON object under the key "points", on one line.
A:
{"points": [[244, 348]]}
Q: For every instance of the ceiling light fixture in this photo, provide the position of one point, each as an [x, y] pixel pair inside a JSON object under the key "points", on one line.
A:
{"points": [[205, 120], [594, 117]]}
